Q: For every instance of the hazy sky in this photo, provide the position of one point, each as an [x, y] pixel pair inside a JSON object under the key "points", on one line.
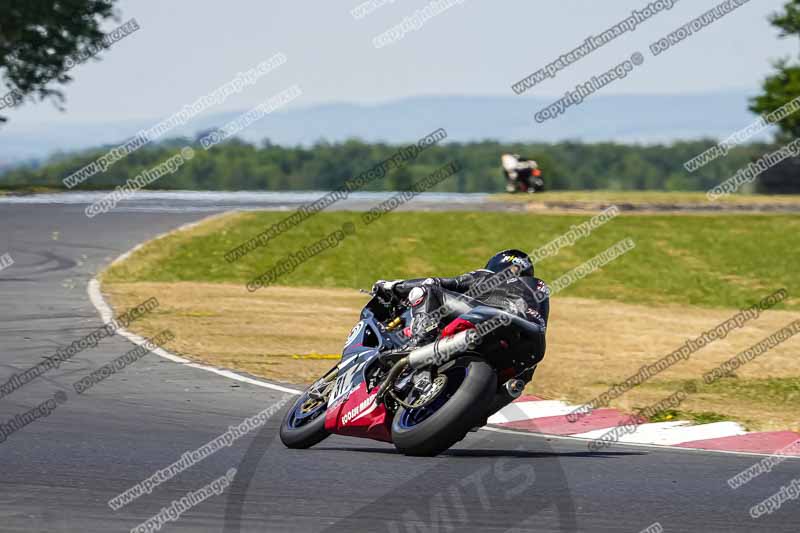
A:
{"points": [[185, 49]]}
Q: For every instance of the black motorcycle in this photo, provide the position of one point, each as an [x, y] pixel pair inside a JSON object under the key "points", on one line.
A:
{"points": [[422, 399]]}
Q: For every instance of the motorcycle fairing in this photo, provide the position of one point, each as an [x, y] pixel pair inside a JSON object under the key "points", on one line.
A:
{"points": [[351, 407], [359, 416]]}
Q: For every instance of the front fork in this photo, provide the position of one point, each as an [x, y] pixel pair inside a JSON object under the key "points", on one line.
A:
{"points": [[320, 391]]}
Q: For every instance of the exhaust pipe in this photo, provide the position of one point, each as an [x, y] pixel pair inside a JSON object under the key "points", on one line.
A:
{"points": [[441, 351], [436, 353], [514, 387], [388, 381]]}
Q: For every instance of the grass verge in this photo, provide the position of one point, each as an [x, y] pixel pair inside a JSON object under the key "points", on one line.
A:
{"points": [[686, 275], [714, 261], [764, 398], [671, 415], [290, 333], [647, 198], [28, 189]]}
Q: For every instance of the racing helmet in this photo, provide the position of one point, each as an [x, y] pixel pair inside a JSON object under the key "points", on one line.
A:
{"points": [[502, 260]]}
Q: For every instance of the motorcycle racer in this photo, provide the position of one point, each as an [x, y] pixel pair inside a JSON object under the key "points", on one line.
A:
{"points": [[521, 174], [518, 292], [430, 360]]}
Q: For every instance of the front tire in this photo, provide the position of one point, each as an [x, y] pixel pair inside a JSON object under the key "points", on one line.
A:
{"points": [[430, 430], [304, 424]]}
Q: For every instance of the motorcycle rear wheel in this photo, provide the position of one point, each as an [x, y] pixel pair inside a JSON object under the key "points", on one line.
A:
{"points": [[430, 430]]}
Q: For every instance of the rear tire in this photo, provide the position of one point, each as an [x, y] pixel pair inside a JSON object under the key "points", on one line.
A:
{"points": [[463, 410]]}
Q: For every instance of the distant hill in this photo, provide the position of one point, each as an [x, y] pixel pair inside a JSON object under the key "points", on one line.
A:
{"points": [[629, 119]]}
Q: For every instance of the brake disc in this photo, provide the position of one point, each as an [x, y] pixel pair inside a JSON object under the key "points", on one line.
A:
{"points": [[431, 392]]}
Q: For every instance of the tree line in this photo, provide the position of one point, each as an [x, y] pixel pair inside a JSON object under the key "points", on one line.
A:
{"points": [[237, 165], [35, 58]]}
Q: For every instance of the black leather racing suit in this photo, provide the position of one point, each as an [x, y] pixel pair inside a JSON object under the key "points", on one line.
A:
{"points": [[527, 295], [523, 296]]}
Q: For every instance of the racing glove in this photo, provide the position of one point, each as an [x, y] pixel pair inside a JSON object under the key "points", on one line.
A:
{"points": [[385, 288]]}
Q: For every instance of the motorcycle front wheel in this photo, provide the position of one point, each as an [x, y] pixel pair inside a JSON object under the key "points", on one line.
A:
{"points": [[304, 423], [463, 404]]}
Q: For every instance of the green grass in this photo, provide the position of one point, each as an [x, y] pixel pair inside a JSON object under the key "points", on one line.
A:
{"points": [[767, 390], [710, 261], [767, 395], [672, 415], [27, 189], [645, 197]]}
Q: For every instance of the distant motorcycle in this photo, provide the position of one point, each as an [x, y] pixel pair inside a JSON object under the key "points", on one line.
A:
{"points": [[424, 399], [522, 175]]}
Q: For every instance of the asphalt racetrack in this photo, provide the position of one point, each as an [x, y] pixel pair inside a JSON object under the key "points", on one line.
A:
{"points": [[60, 471]]}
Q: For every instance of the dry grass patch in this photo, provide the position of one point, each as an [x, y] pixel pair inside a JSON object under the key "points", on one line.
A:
{"points": [[591, 343], [263, 333]]}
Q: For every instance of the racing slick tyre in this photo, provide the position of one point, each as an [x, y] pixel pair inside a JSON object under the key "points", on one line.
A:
{"points": [[427, 431], [304, 424]]}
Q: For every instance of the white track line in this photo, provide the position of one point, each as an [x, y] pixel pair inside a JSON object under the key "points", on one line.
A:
{"points": [[652, 429], [529, 410], [106, 314], [554, 408], [671, 433], [661, 447]]}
